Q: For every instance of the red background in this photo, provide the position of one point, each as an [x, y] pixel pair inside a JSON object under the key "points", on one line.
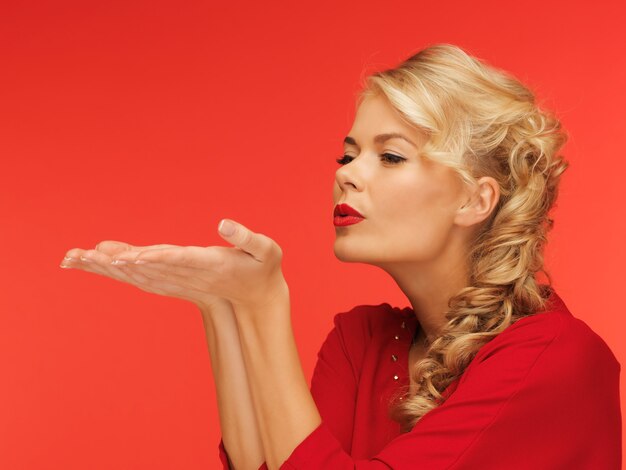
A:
{"points": [[149, 121]]}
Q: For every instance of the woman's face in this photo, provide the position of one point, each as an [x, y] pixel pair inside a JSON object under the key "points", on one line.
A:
{"points": [[408, 207]]}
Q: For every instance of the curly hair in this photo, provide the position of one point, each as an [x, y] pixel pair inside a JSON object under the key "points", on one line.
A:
{"points": [[480, 121]]}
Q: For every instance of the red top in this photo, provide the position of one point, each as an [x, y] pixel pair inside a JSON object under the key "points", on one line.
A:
{"points": [[543, 394]]}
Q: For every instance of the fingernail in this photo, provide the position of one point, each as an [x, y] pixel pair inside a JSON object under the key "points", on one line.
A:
{"points": [[118, 262], [226, 228], [86, 260]]}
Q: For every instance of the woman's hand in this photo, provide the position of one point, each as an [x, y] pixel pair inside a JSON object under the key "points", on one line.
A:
{"points": [[247, 275]]}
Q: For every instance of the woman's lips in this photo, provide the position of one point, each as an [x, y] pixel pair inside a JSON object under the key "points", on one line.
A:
{"points": [[346, 215], [345, 209], [341, 221]]}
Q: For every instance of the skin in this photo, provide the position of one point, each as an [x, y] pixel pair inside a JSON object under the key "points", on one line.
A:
{"points": [[419, 215], [419, 219]]}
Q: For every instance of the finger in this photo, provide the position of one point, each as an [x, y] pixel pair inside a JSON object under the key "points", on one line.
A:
{"points": [[98, 263], [255, 244], [96, 268], [112, 247], [180, 256]]}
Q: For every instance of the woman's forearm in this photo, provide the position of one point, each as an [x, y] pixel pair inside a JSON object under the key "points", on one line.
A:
{"points": [[285, 409], [240, 431]]}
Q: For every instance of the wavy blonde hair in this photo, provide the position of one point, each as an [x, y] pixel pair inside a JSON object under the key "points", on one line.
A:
{"points": [[481, 121]]}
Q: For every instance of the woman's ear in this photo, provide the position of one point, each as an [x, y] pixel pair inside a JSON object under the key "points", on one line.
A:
{"points": [[480, 201]]}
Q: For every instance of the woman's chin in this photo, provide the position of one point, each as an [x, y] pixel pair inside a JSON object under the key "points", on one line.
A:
{"points": [[348, 255]]}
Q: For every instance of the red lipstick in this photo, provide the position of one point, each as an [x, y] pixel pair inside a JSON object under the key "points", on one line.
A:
{"points": [[346, 215]]}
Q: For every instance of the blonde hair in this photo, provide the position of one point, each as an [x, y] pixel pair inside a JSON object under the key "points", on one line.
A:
{"points": [[480, 121]]}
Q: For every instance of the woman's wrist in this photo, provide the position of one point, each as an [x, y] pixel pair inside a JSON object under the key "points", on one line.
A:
{"points": [[217, 315], [215, 306]]}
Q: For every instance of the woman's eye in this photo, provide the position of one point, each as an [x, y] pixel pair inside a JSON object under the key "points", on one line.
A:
{"points": [[390, 157], [342, 160], [387, 157]]}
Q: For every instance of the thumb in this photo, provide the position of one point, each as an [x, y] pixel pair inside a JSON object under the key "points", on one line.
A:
{"points": [[242, 237]]}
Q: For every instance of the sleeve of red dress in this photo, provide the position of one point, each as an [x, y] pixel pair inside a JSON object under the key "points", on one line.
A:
{"points": [[534, 398], [224, 458], [335, 376]]}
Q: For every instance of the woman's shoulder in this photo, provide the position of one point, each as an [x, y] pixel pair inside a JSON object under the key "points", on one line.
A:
{"points": [[554, 333]]}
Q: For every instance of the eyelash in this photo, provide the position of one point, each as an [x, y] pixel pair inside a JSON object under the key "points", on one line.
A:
{"points": [[390, 157]]}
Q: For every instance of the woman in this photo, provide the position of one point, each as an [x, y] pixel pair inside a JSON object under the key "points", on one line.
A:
{"points": [[446, 181]]}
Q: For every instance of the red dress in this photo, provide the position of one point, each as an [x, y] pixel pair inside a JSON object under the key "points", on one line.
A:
{"points": [[543, 394]]}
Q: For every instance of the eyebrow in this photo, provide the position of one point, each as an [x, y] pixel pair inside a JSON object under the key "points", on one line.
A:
{"points": [[380, 138]]}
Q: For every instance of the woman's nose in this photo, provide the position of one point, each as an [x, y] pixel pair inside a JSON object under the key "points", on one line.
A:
{"points": [[348, 176]]}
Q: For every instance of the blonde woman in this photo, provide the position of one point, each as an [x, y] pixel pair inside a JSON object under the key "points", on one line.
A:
{"points": [[448, 175]]}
